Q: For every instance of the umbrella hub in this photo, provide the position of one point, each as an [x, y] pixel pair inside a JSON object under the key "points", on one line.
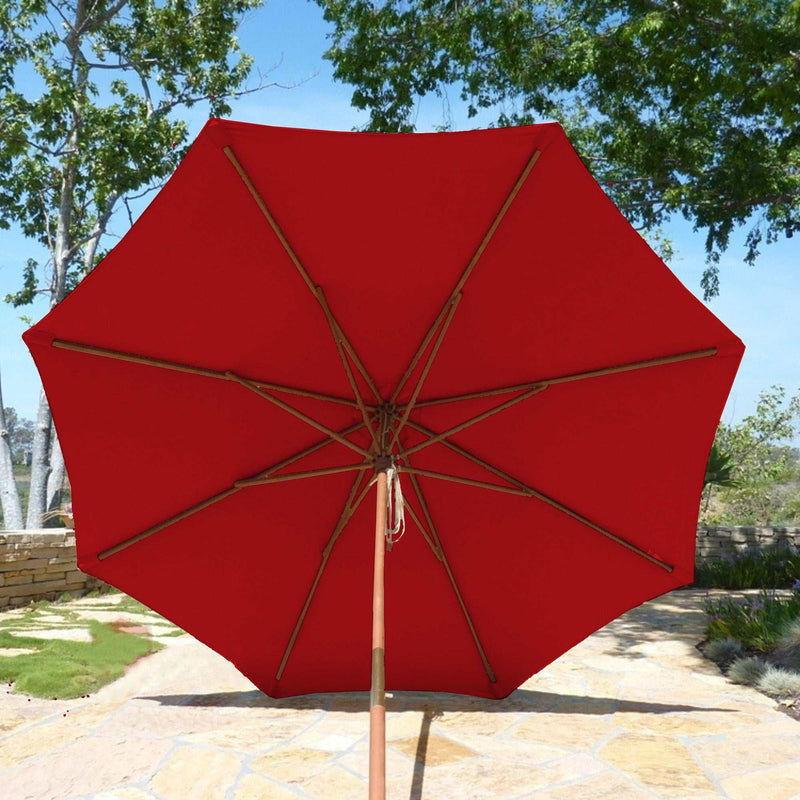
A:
{"points": [[384, 440], [383, 462]]}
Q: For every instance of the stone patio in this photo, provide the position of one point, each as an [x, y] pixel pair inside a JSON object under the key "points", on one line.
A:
{"points": [[632, 712]]}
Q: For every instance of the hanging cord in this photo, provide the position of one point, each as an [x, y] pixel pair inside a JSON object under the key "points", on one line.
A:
{"points": [[396, 518]]}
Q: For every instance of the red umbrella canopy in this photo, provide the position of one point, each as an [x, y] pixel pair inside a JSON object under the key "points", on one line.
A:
{"points": [[295, 304]]}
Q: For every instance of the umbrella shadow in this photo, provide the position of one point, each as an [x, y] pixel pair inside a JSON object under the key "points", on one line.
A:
{"points": [[433, 703]]}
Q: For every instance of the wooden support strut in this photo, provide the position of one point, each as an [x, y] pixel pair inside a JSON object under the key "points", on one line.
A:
{"points": [[523, 176], [297, 263], [338, 338], [473, 420], [424, 374], [423, 530], [299, 414], [206, 373], [439, 550], [530, 492], [347, 512], [221, 496], [293, 476], [577, 376]]}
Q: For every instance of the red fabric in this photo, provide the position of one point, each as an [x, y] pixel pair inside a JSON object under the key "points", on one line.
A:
{"points": [[385, 224]]}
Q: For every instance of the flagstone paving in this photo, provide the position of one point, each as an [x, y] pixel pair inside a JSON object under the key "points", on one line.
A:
{"points": [[633, 712]]}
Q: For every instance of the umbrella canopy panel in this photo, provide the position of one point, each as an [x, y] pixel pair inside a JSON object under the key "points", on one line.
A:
{"points": [[295, 303]]}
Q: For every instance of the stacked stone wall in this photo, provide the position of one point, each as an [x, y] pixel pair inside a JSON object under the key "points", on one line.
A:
{"points": [[717, 542], [40, 565]]}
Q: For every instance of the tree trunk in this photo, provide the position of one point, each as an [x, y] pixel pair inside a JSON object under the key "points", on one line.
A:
{"points": [[40, 464], [55, 481], [9, 496], [61, 248]]}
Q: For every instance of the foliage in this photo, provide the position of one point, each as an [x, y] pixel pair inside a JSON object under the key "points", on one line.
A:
{"points": [[756, 640], [779, 682], [747, 671], [719, 469], [723, 651], [773, 568], [66, 669], [764, 465], [678, 107], [757, 623], [89, 94], [97, 124], [20, 435]]}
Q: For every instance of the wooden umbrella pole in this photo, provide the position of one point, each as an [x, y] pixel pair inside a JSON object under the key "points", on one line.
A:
{"points": [[377, 701]]}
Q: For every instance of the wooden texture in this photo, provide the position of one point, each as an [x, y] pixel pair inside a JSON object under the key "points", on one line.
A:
{"points": [[377, 701]]}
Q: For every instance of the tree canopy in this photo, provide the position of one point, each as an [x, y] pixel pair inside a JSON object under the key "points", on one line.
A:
{"points": [[756, 466], [89, 91], [93, 122], [677, 106]]}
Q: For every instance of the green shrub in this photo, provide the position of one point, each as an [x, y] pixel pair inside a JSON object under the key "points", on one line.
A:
{"points": [[724, 651], [747, 670], [773, 568], [787, 649], [756, 622], [779, 682]]}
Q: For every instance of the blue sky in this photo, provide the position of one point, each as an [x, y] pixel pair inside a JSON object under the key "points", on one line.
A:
{"points": [[760, 304]]}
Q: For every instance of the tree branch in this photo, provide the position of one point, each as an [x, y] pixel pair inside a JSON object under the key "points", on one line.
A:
{"points": [[93, 23], [165, 107]]}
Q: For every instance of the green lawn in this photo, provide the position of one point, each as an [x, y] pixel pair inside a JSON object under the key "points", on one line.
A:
{"points": [[66, 669]]}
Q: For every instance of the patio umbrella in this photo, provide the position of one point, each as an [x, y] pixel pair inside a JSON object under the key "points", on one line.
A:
{"points": [[464, 321]]}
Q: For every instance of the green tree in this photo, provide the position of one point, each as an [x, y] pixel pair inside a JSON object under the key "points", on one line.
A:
{"points": [[89, 91], [759, 489], [20, 434], [677, 106], [719, 470]]}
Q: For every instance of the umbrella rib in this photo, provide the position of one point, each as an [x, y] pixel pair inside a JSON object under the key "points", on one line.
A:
{"points": [[347, 512], [440, 554], [523, 176], [218, 497], [293, 476], [577, 376], [461, 451], [297, 263], [539, 387], [527, 491], [299, 414], [176, 366], [425, 535], [428, 364], [336, 331]]}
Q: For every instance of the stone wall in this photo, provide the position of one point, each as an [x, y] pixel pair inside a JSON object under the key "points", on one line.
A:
{"points": [[716, 542], [40, 564]]}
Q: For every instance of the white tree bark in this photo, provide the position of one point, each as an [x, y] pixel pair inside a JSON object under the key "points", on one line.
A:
{"points": [[55, 481], [62, 253], [40, 464], [9, 496]]}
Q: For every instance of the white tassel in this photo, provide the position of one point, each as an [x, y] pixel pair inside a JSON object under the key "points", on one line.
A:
{"points": [[396, 519]]}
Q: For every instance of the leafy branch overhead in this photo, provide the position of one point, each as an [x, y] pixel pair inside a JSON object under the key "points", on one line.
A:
{"points": [[89, 95], [95, 123], [677, 106]]}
